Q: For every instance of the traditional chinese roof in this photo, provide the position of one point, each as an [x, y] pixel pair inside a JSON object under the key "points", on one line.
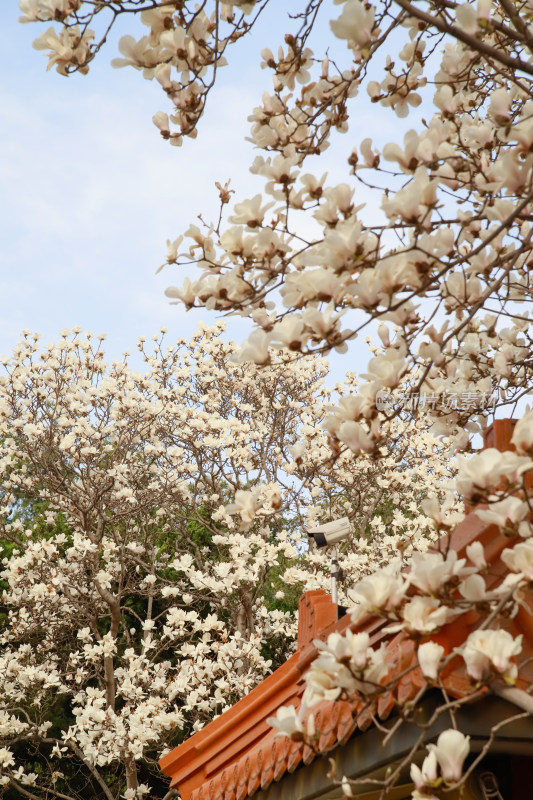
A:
{"points": [[238, 754]]}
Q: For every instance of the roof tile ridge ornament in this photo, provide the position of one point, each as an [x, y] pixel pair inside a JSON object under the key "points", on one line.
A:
{"points": [[499, 434], [316, 612]]}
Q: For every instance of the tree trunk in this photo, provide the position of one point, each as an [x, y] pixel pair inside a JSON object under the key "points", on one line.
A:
{"points": [[131, 773]]}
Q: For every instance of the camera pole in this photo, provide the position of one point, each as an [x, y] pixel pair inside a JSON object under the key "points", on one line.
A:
{"points": [[335, 573], [328, 535]]}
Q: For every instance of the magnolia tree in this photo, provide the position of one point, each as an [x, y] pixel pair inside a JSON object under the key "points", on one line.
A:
{"points": [[149, 522], [443, 267], [134, 606]]}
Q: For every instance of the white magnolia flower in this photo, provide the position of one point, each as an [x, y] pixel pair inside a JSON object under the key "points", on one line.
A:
{"points": [[427, 776], [451, 750], [287, 723], [354, 650], [423, 615], [255, 348], [489, 650], [250, 212], [443, 514], [354, 435], [320, 685], [245, 505], [161, 121], [6, 758], [388, 368], [186, 293], [356, 24], [476, 554], [347, 648], [509, 511], [474, 589], [431, 571], [380, 592], [429, 656], [38, 10], [346, 787], [523, 434], [487, 469], [520, 558]]}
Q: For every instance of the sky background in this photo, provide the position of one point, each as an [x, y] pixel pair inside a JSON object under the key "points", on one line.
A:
{"points": [[90, 192]]}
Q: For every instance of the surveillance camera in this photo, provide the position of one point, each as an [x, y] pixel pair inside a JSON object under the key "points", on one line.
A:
{"points": [[331, 532]]}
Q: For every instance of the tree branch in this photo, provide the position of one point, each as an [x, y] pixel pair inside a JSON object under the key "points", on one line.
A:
{"points": [[515, 696], [478, 45]]}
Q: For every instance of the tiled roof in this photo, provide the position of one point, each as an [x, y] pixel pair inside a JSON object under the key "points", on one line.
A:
{"points": [[238, 754]]}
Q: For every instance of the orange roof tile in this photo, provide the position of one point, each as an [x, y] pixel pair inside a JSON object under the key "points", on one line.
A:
{"points": [[238, 753]]}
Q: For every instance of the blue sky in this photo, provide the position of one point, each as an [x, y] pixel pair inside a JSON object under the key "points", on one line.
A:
{"points": [[90, 192]]}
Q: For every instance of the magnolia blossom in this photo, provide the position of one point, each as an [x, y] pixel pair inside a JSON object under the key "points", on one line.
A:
{"points": [[6, 757], [245, 505], [508, 512], [256, 349], [520, 559], [250, 212], [349, 660], [491, 650], [476, 554], [486, 469], [37, 10], [321, 685], [346, 787], [354, 435], [70, 46], [356, 24], [450, 751], [427, 775], [423, 615], [474, 589], [429, 656], [523, 434], [383, 591], [346, 663], [444, 514], [431, 571], [287, 723]]}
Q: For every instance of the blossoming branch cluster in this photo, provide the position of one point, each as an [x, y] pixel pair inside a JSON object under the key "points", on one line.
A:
{"points": [[183, 51], [454, 233], [438, 588]]}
